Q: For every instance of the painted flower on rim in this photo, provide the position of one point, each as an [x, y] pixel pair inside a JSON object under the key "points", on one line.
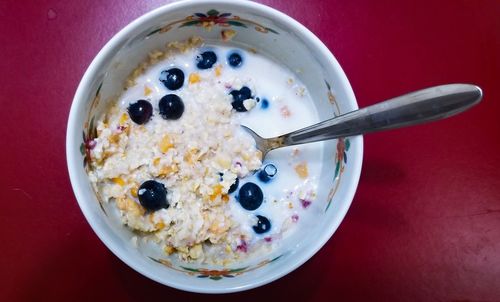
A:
{"points": [[341, 157], [212, 18]]}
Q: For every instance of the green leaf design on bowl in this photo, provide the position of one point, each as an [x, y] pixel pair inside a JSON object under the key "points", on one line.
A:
{"points": [[236, 23]]}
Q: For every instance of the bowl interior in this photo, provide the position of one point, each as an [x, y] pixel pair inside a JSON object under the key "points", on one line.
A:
{"points": [[257, 28]]}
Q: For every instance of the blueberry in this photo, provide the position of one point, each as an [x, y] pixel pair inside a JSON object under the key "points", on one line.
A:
{"points": [[153, 195], [263, 225], [242, 94], [235, 60], [239, 96], [267, 173], [171, 107], [206, 60], [264, 104], [238, 106], [173, 78], [250, 196], [234, 186], [140, 112]]}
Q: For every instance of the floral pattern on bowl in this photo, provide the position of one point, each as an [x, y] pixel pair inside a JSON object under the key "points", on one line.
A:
{"points": [[340, 156], [211, 19], [214, 274]]}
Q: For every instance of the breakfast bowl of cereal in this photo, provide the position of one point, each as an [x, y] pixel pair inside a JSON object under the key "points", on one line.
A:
{"points": [[165, 174]]}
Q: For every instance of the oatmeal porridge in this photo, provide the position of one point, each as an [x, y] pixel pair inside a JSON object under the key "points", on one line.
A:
{"points": [[171, 156]]}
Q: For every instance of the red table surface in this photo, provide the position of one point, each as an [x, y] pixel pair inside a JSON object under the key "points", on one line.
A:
{"points": [[424, 224]]}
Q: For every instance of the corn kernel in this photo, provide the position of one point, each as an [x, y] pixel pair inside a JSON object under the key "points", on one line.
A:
{"points": [[165, 144], [114, 138], [187, 158], [225, 198], [166, 170], [169, 250], [190, 156], [218, 70], [133, 192], [217, 190], [147, 90], [228, 248], [194, 78], [160, 225], [156, 161], [118, 181], [130, 206], [123, 118]]}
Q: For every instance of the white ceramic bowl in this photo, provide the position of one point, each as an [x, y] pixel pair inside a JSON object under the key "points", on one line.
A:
{"points": [[271, 33]]}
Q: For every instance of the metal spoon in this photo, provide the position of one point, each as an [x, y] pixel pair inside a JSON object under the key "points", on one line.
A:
{"points": [[410, 109]]}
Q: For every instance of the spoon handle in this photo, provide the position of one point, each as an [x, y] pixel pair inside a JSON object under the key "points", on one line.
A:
{"points": [[410, 109]]}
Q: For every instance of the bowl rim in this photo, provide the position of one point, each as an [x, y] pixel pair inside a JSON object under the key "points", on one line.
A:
{"points": [[79, 100]]}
